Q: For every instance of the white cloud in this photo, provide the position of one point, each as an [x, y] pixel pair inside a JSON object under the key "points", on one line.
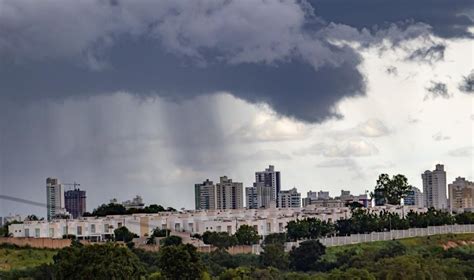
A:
{"points": [[373, 128], [268, 126]]}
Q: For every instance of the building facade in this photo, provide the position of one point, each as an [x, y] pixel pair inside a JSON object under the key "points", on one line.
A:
{"points": [[205, 195], [265, 221], [229, 195], [223, 195], [75, 202], [259, 196], [54, 198], [270, 178], [434, 188], [414, 198], [289, 199], [461, 195]]}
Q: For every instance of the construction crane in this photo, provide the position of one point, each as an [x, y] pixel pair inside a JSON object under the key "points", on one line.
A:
{"points": [[72, 184]]}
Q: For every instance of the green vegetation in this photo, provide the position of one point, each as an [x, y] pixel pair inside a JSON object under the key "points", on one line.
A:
{"points": [[448, 256], [14, 257], [413, 258], [123, 234], [363, 220], [119, 209], [391, 190]]}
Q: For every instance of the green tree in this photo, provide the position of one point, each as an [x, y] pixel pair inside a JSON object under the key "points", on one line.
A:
{"points": [[305, 257], [391, 190], [172, 240], [219, 239], [107, 261], [247, 235], [180, 262], [275, 238], [274, 255], [123, 234]]}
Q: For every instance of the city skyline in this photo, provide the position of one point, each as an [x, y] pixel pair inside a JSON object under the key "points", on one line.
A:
{"points": [[242, 196], [137, 98]]}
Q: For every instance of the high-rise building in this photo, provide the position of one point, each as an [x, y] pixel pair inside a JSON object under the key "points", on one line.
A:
{"points": [[461, 195], [205, 195], [323, 195], [229, 195], [270, 178], [75, 202], [258, 196], [414, 198], [434, 188], [54, 198], [289, 199]]}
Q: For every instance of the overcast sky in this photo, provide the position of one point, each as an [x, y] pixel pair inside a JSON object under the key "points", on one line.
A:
{"points": [[151, 97]]}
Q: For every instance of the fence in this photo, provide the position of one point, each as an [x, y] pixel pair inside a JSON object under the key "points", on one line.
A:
{"points": [[389, 235]]}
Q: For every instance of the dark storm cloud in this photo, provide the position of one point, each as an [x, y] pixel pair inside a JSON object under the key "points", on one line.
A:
{"points": [[281, 52], [467, 83], [448, 19], [292, 88]]}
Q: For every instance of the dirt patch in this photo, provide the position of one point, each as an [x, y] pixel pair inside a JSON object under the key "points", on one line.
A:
{"points": [[453, 244]]}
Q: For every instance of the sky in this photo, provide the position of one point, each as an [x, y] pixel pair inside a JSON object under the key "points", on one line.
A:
{"points": [[151, 97]]}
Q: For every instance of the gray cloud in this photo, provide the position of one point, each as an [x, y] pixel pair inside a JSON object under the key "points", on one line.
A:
{"points": [[349, 148], [430, 54], [467, 151], [467, 83], [440, 137], [437, 89], [392, 70]]}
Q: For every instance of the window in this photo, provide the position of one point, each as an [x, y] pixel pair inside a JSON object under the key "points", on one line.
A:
{"points": [[79, 230], [229, 229], [37, 232], [106, 228], [92, 228], [51, 232], [65, 230], [27, 232], [218, 229]]}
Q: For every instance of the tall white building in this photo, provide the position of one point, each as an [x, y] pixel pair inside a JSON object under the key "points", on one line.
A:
{"points": [[259, 196], [205, 195], [434, 188], [223, 195], [289, 199], [54, 198], [229, 195], [271, 179], [461, 195]]}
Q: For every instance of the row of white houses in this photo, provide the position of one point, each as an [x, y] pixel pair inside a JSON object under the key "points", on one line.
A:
{"points": [[265, 221]]}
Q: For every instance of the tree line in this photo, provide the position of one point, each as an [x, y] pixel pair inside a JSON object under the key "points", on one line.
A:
{"points": [[364, 220]]}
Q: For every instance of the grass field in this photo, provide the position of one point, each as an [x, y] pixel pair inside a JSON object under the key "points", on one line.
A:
{"points": [[414, 245], [21, 258]]}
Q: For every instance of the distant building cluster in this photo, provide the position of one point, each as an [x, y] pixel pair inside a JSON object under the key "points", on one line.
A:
{"points": [[265, 221], [64, 203], [322, 199], [220, 207]]}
